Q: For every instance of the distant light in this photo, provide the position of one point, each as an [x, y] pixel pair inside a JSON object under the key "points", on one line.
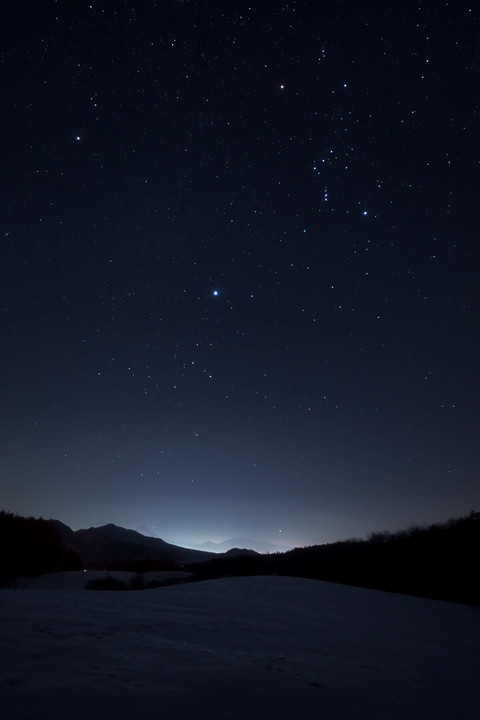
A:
{"points": [[215, 293], [365, 212]]}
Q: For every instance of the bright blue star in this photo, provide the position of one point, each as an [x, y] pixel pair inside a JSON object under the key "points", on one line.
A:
{"points": [[215, 293]]}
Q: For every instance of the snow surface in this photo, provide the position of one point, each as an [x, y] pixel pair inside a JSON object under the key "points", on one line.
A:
{"points": [[236, 649]]}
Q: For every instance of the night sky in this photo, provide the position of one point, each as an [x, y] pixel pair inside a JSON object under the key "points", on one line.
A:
{"points": [[239, 265]]}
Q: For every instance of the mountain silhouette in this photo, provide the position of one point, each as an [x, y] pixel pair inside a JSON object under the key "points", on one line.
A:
{"points": [[114, 547], [260, 546]]}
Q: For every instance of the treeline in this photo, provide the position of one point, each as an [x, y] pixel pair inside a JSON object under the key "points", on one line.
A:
{"points": [[436, 562], [433, 562], [32, 546]]}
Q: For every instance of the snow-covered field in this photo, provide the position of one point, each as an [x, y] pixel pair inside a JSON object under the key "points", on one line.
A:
{"points": [[235, 649]]}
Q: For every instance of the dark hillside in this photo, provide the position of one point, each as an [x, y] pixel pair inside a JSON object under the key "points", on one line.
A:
{"points": [[31, 546], [116, 548], [434, 562]]}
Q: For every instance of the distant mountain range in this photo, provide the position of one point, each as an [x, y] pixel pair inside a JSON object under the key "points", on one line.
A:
{"points": [[113, 547], [260, 546]]}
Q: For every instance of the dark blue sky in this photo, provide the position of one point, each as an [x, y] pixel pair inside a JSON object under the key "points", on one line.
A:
{"points": [[240, 265]]}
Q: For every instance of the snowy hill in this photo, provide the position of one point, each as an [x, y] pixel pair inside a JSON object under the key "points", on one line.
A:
{"points": [[237, 649]]}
